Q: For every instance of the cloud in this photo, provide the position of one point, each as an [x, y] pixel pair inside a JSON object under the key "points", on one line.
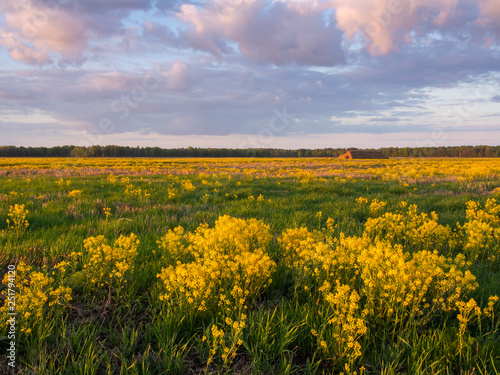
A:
{"points": [[109, 81], [156, 31], [223, 67], [35, 30], [385, 119], [490, 12], [278, 33], [177, 76], [111, 6], [490, 9], [386, 24], [40, 32], [193, 98], [21, 51], [310, 32]]}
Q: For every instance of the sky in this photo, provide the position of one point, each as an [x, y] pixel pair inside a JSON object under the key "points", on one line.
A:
{"points": [[250, 73]]}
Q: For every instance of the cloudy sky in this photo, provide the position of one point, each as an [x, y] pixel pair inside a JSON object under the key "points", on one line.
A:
{"points": [[250, 73]]}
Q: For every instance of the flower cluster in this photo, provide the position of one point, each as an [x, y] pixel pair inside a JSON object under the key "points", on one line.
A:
{"points": [[362, 200], [38, 297], [107, 212], [304, 170], [395, 286], [402, 288], [111, 178], [187, 185], [340, 331], [17, 215], [376, 206], [226, 342], [175, 247], [413, 230], [305, 177], [105, 265], [481, 232], [218, 268], [172, 191], [132, 191], [61, 182], [74, 193]]}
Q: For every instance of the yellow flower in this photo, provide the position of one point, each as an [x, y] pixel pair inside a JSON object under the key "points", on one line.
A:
{"points": [[17, 214], [224, 265], [37, 296], [107, 265], [74, 193]]}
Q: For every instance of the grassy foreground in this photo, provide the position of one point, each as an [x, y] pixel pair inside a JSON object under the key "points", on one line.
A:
{"points": [[250, 266]]}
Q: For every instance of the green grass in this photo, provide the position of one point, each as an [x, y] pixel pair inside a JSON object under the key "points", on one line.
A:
{"points": [[129, 332]]}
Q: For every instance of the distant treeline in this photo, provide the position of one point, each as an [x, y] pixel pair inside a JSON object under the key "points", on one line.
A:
{"points": [[157, 152]]}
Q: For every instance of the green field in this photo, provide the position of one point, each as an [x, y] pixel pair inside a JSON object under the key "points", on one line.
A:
{"points": [[250, 266]]}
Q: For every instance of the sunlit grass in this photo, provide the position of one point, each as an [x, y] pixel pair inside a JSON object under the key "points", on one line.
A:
{"points": [[269, 266]]}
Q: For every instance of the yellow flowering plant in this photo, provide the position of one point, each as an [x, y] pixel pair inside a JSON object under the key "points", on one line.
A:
{"points": [[481, 231], [230, 267], [396, 286], [74, 193], [376, 206], [187, 185], [402, 288], [174, 246], [414, 230], [311, 257], [341, 329], [17, 218], [107, 265], [134, 192], [39, 296], [224, 340]]}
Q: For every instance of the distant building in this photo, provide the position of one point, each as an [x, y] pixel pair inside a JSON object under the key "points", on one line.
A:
{"points": [[363, 154]]}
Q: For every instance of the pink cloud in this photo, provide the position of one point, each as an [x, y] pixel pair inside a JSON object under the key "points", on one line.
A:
{"points": [[385, 24], [280, 33], [33, 31], [44, 31], [21, 51], [294, 31], [490, 9], [490, 12], [177, 76], [108, 81]]}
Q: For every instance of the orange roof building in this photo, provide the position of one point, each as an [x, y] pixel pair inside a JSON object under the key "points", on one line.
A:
{"points": [[363, 154]]}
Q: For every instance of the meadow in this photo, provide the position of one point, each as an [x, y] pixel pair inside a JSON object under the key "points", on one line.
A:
{"points": [[250, 266]]}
